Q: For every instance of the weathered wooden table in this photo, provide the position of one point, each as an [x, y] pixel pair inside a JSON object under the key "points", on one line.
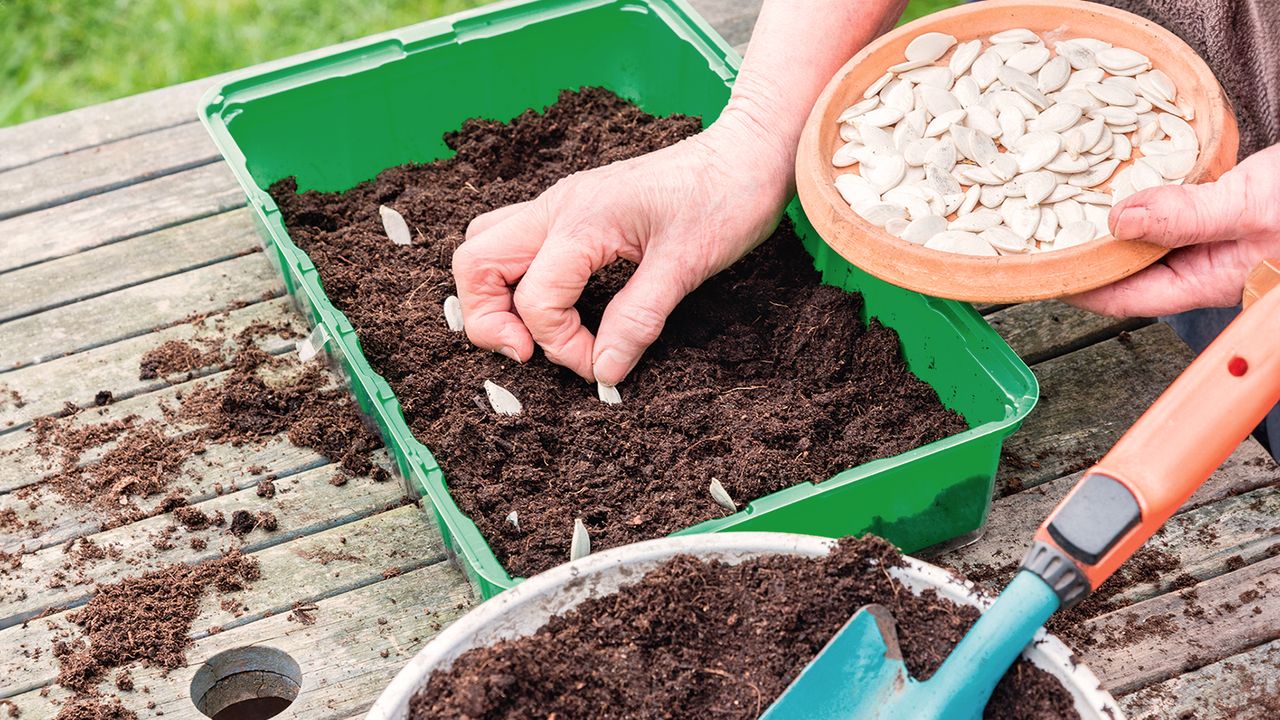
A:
{"points": [[119, 221]]}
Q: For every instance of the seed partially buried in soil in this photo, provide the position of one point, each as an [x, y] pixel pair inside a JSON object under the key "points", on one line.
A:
{"points": [[453, 313], [501, 399], [608, 394], [580, 547], [721, 496], [395, 226], [309, 346], [514, 518]]}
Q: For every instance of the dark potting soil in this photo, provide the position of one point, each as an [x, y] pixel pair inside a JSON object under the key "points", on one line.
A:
{"points": [[762, 378], [145, 618], [696, 639]]}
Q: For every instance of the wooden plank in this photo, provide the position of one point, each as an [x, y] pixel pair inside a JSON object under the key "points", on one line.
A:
{"points": [[77, 378], [136, 310], [1189, 629], [1241, 687], [304, 504], [733, 19], [118, 215], [1088, 398], [120, 265], [1042, 330], [219, 469], [1233, 515], [308, 569], [341, 653], [79, 174]]}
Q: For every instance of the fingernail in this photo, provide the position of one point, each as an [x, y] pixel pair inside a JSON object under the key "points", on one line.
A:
{"points": [[609, 368], [1132, 223], [510, 352]]}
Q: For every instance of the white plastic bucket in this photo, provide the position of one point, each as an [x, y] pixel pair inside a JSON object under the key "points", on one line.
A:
{"points": [[525, 608]]}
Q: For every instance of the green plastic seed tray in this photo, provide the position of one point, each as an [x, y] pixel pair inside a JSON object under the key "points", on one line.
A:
{"points": [[339, 119]]}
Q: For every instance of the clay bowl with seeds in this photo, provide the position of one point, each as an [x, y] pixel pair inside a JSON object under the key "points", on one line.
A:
{"points": [[940, 157]]}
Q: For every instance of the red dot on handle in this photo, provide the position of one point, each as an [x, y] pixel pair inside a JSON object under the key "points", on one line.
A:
{"points": [[1237, 366]]}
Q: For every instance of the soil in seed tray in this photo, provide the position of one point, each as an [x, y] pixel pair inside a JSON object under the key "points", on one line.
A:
{"points": [[696, 639], [762, 378]]}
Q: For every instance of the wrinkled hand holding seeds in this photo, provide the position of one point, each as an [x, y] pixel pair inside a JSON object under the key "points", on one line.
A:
{"points": [[1008, 147]]}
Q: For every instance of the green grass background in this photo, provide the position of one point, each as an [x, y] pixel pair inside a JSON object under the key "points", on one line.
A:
{"points": [[57, 55]]}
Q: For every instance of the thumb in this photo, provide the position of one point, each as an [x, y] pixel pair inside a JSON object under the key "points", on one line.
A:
{"points": [[1178, 215], [634, 319]]}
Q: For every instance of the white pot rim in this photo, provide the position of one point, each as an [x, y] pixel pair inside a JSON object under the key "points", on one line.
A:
{"points": [[564, 586]]}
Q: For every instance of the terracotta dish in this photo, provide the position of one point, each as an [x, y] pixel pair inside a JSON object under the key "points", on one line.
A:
{"points": [[1009, 278]]}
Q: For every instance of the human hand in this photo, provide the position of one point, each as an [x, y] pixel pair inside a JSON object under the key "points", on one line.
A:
{"points": [[682, 214], [1218, 231]]}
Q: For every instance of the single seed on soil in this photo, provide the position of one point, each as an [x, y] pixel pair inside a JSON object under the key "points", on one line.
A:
{"points": [[580, 546], [513, 517], [309, 346], [394, 225], [453, 313], [721, 496], [608, 394], [501, 399]]}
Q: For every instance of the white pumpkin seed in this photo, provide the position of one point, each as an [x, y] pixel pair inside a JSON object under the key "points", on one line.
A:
{"points": [[1093, 44], [453, 313], [1056, 119], [1081, 79], [884, 172], [882, 116], [975, 175], [1121, 148], [858, 108], [907, 65], [721, 496], [846, 154], [983, 120], [943, 154], [1143, 175], [966, 91], [1004, 167], [1112, 94], [971, 198], [963, 243], [1053, 76], [501, 399], [1095, 175], [986, 69], [849, 133], [929, 47], [395, 227], [897, 226], [1175, 165], [1074, 233], [310, 346], [513, 517], [901, 96], [992, 196], [1068, 210], [1179, 131], [1007, 50], [1064, 163], [1062, 192], [1015, 35], [878, 85], [943, 122], [1024, 85], [1113, 115], [856, 190], [962, 59], [917, 150], [941, 181], [1120, 60], [1021, 217], [608, 394], [1036, 149], [1156, 83], [1038, 186], [1047, 230], [938, 101], [1079, 56], [1005, 240], [976, 221], [923, 228], [580, 546], [1029, 59]]}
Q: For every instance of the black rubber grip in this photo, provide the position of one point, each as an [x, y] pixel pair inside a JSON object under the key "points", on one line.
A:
{"points": [[1099, 513]]}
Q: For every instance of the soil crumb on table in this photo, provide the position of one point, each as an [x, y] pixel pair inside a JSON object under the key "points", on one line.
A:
{"points": [[145, 618], [696, 639], [762, 378]]}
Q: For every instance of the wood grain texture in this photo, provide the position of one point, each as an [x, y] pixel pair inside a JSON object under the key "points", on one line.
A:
{"points": [[77, 378], [307, 569], [117, 215], [1188, 629], [341, 653], [1088, 399], [119, 265], [79, 174], [1049, 328], [1242, 687], [136, 310], [305, 503]]}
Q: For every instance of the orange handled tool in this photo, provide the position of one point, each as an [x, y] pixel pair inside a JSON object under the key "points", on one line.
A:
{"points": [[1172, 449]]}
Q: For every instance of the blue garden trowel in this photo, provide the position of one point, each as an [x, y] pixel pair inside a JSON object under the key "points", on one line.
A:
{"points": [[1116, 506]]}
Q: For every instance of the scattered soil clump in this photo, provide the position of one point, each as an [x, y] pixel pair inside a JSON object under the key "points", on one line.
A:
{"points": [[119, 627], [703, 639], [762, 367], [176, 358], [95, 707]]}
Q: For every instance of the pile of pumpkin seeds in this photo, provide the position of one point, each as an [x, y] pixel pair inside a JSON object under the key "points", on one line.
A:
{"points": [[1008, 147]]}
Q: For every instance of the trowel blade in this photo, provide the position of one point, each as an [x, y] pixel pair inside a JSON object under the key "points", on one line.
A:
{"points": [[863, 655]]}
